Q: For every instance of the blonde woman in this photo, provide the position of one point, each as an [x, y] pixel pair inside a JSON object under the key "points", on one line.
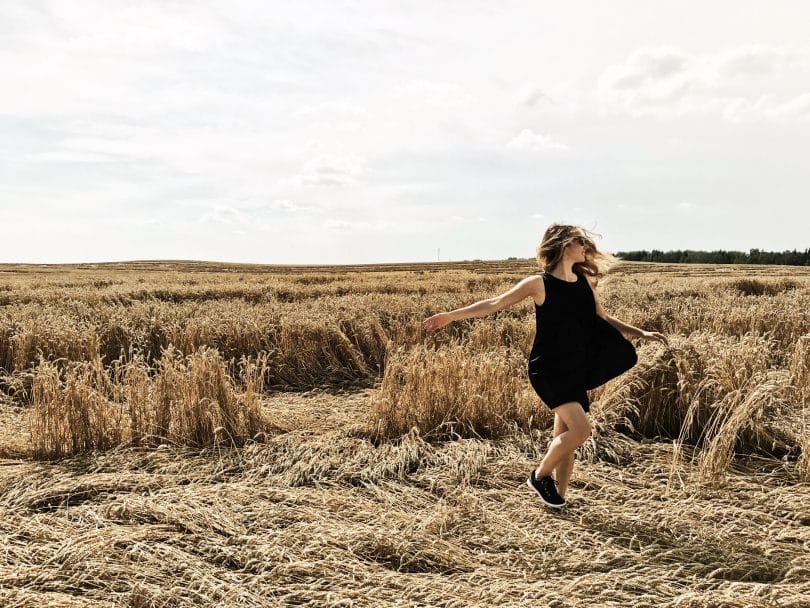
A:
{"points": [[577, 345]]}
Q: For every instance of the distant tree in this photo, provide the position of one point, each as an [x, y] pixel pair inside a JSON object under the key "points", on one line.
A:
{"points": [[792, 257]]}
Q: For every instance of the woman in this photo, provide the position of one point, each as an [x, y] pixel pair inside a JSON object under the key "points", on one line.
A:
{"points": [[577, 345]]}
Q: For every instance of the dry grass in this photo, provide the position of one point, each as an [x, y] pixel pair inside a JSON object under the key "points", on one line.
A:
{"points": [[328, 519], [73, 414], [715, 392], [691, 491], [456, 392], [800, 380], [184, 401]]}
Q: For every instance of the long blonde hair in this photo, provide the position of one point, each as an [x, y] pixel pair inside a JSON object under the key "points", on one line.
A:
{"points": [[557, 236]]}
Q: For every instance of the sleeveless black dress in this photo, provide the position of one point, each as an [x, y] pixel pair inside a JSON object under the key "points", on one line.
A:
{"points": [[574, 349]]}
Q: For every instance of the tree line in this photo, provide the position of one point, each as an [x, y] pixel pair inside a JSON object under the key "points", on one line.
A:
{"points": [[720, 256]]}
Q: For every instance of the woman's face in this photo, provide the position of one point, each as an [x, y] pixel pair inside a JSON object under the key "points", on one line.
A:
{"points": [[579, 246]]}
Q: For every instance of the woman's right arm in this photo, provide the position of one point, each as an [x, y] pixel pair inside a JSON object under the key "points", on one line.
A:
{"points": [[527, 287]]}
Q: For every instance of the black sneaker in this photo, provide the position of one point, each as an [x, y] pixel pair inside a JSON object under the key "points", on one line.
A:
{"points": [[546, 488]]}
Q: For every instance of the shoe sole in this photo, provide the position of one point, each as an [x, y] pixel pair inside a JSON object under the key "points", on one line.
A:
{"points": [[545, 502]]}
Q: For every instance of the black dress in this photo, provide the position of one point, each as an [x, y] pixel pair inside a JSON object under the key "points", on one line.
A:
{"points": [[574, 349]]}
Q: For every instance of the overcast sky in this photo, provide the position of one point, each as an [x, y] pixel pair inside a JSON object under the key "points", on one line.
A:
{"points": [[362, 132]]}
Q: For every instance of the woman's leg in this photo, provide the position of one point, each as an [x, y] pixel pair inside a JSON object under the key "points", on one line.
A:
{"points": [[562, 473], [564, 444]]}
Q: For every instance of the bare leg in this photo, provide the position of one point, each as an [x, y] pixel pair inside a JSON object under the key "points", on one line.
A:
{"points": [[562, 473], [563, 445]]}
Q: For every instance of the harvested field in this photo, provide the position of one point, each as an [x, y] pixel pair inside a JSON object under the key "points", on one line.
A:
{"points": [[289, 437]]}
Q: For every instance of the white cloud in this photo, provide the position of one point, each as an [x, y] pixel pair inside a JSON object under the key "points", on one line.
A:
{"points": [[256, 206], [531, 96], [359, 225], [256, 214], [223, 215], [444, 95], [529, 140], [332, 107], [266, 118], [667, 81], [340, 225], [757, 60], [461, 219], [650, 79], [67, 156], [793, 110], [796, 108], [284, 204], [331, 171]]}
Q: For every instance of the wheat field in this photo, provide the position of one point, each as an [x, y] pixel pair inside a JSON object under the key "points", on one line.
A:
{"points": [[200, 434]]}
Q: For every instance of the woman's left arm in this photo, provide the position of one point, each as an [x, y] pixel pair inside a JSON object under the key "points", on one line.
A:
{"points": [[624, 327]]}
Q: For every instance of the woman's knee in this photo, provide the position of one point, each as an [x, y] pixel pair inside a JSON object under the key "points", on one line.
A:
{"points": [[574, 418], [579, 435], [559, 425], [584, 432]]}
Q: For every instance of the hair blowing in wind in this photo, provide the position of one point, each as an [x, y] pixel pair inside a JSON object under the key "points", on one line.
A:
{"points": [[557, 236]]}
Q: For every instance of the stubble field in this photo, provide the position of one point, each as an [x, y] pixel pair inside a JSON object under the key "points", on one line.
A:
{"points": [[190, 434]]}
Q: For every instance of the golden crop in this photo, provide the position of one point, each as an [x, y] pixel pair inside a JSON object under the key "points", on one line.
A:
{"points": [[73, 343], [190, 434]]}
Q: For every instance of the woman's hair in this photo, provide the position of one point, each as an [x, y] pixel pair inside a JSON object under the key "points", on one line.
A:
{"points": [[557, 236]]}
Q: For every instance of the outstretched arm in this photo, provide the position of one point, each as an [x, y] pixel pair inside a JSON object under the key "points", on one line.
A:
{"points": [[635, 331], [624, 327], [521, 291]]}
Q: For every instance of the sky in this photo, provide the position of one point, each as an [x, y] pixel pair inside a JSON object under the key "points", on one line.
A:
{"points": [[375, 132]]}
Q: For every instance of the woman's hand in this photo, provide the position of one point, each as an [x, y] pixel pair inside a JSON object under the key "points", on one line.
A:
{"points": [[437, 321], [654, 335]]}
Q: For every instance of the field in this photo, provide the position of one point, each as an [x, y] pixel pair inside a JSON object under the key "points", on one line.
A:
{"points": [[192, 434]]}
